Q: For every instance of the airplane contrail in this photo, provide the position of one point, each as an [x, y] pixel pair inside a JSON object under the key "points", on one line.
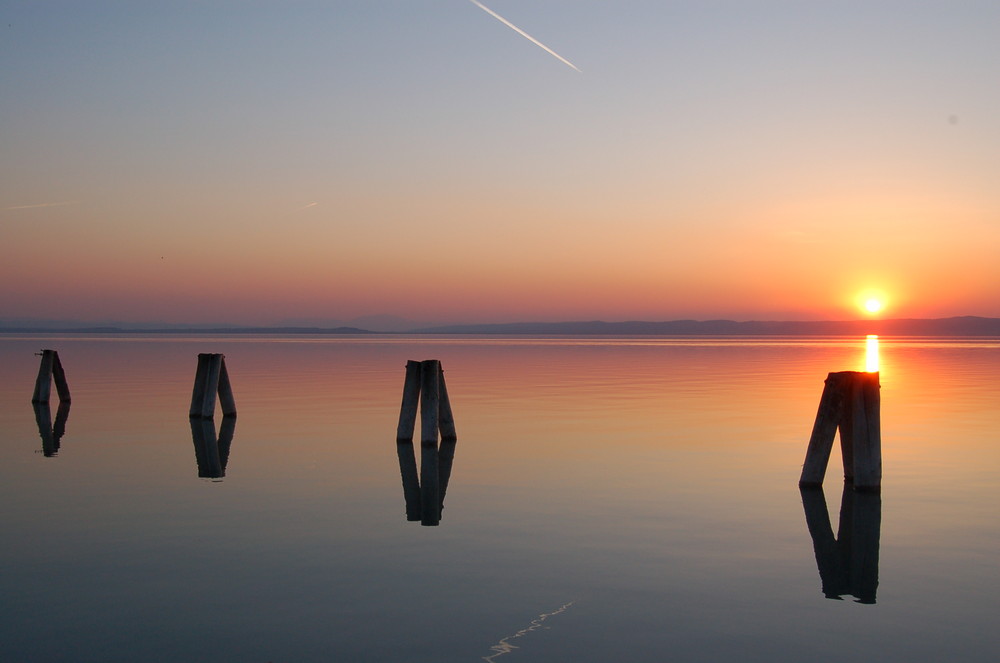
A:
{"points": [[523, 33]]}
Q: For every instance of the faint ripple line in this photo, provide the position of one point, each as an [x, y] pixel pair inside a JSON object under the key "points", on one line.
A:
{"points": [[504, 646]]}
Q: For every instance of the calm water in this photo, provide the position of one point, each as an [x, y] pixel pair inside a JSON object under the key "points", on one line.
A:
{"points": [[610, 499]]}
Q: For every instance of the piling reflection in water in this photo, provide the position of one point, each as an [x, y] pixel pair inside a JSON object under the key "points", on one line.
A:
{"points": [[211, 452], [848, 564], [51, 433], [424, 496]]}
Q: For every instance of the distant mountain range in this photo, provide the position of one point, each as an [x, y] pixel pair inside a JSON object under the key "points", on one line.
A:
{"points": [[125, 329], [958, 326]]}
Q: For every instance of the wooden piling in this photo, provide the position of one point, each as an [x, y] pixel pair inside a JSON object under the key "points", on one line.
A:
{"points": [[211, 380], [424, 389], [446, 418], [430, 496], [867, 428], [50, 370], [408, 408], [212, 372], [43, 383], [198, 393], [59, 377], [226, 399], [850, 403], [430, 400]]}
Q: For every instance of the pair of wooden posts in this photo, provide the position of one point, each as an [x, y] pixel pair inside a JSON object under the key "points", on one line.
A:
{"points": [[211, 450], [851, 403], [50, 370], [424, 497], [212, 379]]}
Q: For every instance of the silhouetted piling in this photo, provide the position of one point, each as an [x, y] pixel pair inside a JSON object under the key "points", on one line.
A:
{"points": [[424, 389], [408, 408], [446, 418], [211, 380], [50, 370], [851, 404]]}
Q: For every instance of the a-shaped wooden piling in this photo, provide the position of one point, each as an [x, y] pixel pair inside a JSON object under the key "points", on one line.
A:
{"points": [[50, 370], [212, 379], [424, 386], [850, 403]]}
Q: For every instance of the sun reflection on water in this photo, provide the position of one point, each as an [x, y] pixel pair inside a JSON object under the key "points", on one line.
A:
{"points": [[871, 353]]}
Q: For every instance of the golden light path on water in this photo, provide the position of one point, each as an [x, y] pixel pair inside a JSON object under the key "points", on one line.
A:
{"points": [[871, 353]]}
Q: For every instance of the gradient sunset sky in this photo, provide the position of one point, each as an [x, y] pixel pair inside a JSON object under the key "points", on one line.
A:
{"points": [[265, 162]]}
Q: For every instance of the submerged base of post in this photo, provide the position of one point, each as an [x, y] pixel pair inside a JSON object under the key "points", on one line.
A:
{"points": [[850, 403]]}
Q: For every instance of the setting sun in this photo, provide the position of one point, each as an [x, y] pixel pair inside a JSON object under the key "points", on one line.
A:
{"points": [[873, 305]]}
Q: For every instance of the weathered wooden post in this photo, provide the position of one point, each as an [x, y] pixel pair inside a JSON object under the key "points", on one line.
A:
{"points": [[424, 385], [404, 440], [850, 403], [212, 379], [430, 401], [408, 409], [50, 370]]}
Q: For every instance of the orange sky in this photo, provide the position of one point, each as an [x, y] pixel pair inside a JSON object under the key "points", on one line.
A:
{"points": [[740, 164]]}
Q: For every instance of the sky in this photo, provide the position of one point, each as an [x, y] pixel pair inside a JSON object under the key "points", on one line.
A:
{"points": [[250, 162]]}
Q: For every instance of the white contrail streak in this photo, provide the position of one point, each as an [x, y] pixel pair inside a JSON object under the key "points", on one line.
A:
{"points": [[523, 33], [70, 202]]}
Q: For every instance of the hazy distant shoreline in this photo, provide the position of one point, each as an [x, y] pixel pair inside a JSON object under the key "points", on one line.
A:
{"points": [[956, 326]]}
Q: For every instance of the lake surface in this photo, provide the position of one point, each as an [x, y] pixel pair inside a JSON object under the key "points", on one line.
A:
{"points": [[628, 499]]}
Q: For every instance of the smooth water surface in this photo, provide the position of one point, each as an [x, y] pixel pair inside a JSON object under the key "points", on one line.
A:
{"points": [[610, 499]]}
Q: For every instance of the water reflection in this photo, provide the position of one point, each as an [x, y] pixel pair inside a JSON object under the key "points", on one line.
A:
{"points": [[871, 353], [51, 433], [211, 452], [848, 564], [424, 497]]}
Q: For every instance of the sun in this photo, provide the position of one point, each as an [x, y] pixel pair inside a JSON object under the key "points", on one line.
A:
{"points": [[871, 302], [873, 305]]}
